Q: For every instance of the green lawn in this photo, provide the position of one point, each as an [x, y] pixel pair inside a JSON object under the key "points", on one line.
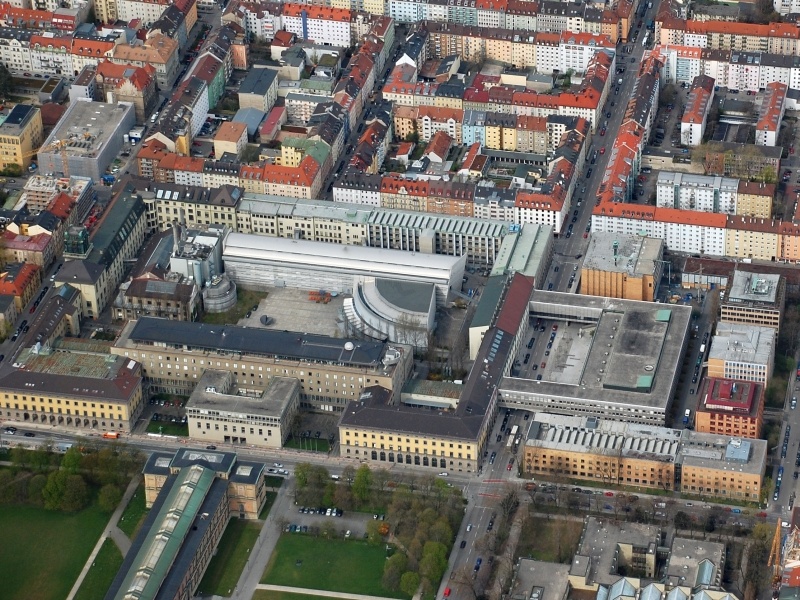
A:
{"points": [[232, 553], [310, 444], [336, 565], [48, 551], [167, 428], [134, 514], [99, 578], [270, 595], [271, 496]]}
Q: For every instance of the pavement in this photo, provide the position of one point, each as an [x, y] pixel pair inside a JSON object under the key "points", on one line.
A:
{"points": [[327, 594], [111, 531]]}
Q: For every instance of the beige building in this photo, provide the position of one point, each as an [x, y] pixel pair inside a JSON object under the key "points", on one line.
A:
{"points": [[231, 138], [728, 407], [609, 452], [719, 466], [754, 299], [158, 51], [622, 266], [79, 392], [751, 238], [175, 354], [744, 352], [754, 199], [647, 457], [219, 411], [21, 134]]}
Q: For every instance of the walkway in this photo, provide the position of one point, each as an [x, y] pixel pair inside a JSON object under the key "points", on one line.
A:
{"points": [[310, 592], [112, 531]]}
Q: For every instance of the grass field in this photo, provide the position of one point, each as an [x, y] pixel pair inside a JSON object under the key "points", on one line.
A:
{"points": [[166, 428], [44, 551], [270, 595], [232, 553], [99, 578], [310, 444], [323, 564], [134, 514], [551, 540], [271, 497]]}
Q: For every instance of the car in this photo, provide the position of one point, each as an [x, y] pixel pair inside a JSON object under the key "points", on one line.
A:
{"points": [[543, 365], [538, 378], [589, 172], [492, 457], [33, 309], [212, 447], [609, 494], [2, 356], [608, 115], [463, 544], [603, 150], [603, 131], [277, 465], [446, 592], [443, 474], [10, 430]]}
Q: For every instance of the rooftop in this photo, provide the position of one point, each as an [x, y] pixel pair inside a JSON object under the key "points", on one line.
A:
{"points": [[216, 391], [753, 288], [694, 563], [634, 255], [601, 538], [735, 342], [730, 397], [722, 453], [87, 127]]}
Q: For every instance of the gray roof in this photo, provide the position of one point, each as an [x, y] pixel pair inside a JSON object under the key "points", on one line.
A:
{"points": [[412, 296], [252, 117], [258, 81], [281, 344], [80, 272]]}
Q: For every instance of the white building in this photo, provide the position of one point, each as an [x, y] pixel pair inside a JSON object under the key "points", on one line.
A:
{"points": [[148, 12], [770, 114], [258, 262], [319, 24], [745, 352], [705, 193]]}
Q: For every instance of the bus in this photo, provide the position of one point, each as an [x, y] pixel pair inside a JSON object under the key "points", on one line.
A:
{"points": [[111, 435], [644, 39], [514, 431], [510, 441]]}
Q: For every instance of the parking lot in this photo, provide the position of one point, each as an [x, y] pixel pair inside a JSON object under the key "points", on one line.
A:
{"points": [[310, 518]]}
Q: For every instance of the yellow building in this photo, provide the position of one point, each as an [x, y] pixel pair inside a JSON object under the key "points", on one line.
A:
{"points": [[21, 134], [644, 456], [622, 266], [97, 394], [255, 356], [231, 139], [407, 436], [754, 199], [721, 466], [405, 121], [746, 237]]}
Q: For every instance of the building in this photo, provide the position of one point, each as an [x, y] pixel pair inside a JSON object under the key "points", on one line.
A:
{"points": [[706, 193], [754, 299], [158, 294], [20, 280], [231, 139], [698, 105], [729, 407], [331, 371], [219, 411], [632, 349], [192, 497], [89, 137], [622, 266], [75, 391], [159, 51], [37, 249], [258, 262], [745, 352], [21, 133], [721, 466], [259, 89], [127, 83], [770, 114], [614, 453]]}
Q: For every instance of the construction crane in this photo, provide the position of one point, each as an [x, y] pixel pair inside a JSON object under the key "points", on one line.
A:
{"points": [[55, 145], [775, 556]]}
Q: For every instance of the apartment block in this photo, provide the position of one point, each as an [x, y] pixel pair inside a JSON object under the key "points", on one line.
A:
{"points": [[745, 352], [730, 407], [754, 299]]}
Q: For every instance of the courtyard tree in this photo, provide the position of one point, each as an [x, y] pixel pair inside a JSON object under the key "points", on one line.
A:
{"points": [[409, 583]]}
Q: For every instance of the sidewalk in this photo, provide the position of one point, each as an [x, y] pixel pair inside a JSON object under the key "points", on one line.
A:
{"points": [[112, 531], [310, 592]]}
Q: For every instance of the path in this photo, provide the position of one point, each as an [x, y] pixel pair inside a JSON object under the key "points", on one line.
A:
{"points": [[310, 592], [112, 531]]}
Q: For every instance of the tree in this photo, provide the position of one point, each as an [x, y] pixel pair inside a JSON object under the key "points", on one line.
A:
{"points": [[409, 583], [682, 520], [362, 485], [72, 460], [301, 474], [441, 532], [393, 570], [35, 487], [433, 562], [53, 491], [6, 83], [110, 496], [76, 494]]}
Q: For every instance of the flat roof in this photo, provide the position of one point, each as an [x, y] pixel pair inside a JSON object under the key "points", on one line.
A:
{"points": [[728, 396], [489, 303], [610, 351], [634, 255], [549, 579], [753, 288], [735, 342], [722, 452], [524, 249], [685, 558], [217, 391], [254, 341], [88, 126], [599, 543]]}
